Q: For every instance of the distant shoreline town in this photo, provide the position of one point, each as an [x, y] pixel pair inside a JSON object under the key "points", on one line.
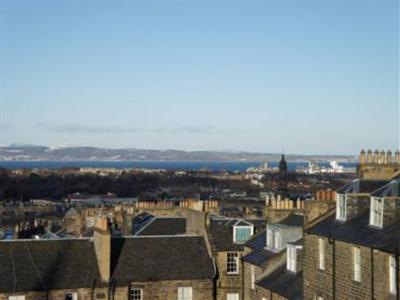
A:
{"points": [[44, 153]]}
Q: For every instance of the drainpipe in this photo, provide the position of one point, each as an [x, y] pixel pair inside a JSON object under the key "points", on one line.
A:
{"points": [[396, 258], [92, 290], [372, 274], [332, 242]]}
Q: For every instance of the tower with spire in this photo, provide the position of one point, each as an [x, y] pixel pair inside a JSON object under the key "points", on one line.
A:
{"points": [[282, 175]]}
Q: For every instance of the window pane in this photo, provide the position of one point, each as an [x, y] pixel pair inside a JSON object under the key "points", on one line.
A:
{"points": [[232, 297], [242, 234], [232, 263], [392, 275], [357, 264], [185, 293], [135, 294], [321, 246]]}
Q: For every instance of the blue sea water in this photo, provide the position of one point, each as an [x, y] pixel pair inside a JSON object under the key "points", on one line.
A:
{"points": [[167, 165]]}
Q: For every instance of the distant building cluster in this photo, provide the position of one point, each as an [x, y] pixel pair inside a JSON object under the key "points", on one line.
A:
{"points": [[335, 244]]}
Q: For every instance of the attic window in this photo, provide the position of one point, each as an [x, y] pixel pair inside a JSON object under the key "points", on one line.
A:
{"points": [[341, 209], [242, 233], [376, 212]]}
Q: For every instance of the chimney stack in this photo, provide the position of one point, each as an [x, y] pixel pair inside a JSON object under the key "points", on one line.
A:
{"points": [[389, 157], [397, 157], [102, 246], [376, 156], [382, 157], [362, 157], [369, 156]]}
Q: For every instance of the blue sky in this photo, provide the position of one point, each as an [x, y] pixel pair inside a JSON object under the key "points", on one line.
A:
{"points": [[271, 76]]}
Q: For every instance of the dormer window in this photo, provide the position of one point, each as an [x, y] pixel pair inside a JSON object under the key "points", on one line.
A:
{"points": [[376, 212], [341, 207], [274, 238], [242, 232], [277, 240], [270, 238]]}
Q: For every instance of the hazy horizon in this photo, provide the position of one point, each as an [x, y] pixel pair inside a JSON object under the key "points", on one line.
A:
{"points": [[294, 76]]}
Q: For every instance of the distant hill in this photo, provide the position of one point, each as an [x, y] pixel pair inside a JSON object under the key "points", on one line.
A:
{"points": [[32, 152]]}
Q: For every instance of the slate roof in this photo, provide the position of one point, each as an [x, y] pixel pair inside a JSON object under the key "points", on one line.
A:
{"points": [[259, 256], [144, 259], [222, 232], [358, 186], [392, 189], [357, 231], [298, 242], [284, 283], [257, 241], [293, 220], [32, 265], [164, 226]]}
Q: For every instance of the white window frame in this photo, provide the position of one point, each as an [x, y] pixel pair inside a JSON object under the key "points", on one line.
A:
{"points": [[392, 275], [133, 296], [277, 239], [291, 257], [341, 207], [357, 276], [241, 227], [270, 237], [321, 254], [232, 263], [16, 297], [232, 296], [185, 293], [376, 212], [74, 295]]}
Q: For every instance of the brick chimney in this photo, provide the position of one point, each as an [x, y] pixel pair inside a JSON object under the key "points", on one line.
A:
{"points": [[102, 245]]}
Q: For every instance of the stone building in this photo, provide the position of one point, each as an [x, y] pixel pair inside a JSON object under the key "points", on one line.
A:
{"points": [[286, 282], [132, 268], [378, 164], [265, 254], [227, 237], [354, 252]]}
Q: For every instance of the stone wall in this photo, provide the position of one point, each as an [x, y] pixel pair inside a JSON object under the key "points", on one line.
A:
{"points": [[162, 290], [263, 294], [83, 294], [376, 171], [315, 210], [248, 292], [341, 285], [165, 290], [228, 283], [260, 272]]}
